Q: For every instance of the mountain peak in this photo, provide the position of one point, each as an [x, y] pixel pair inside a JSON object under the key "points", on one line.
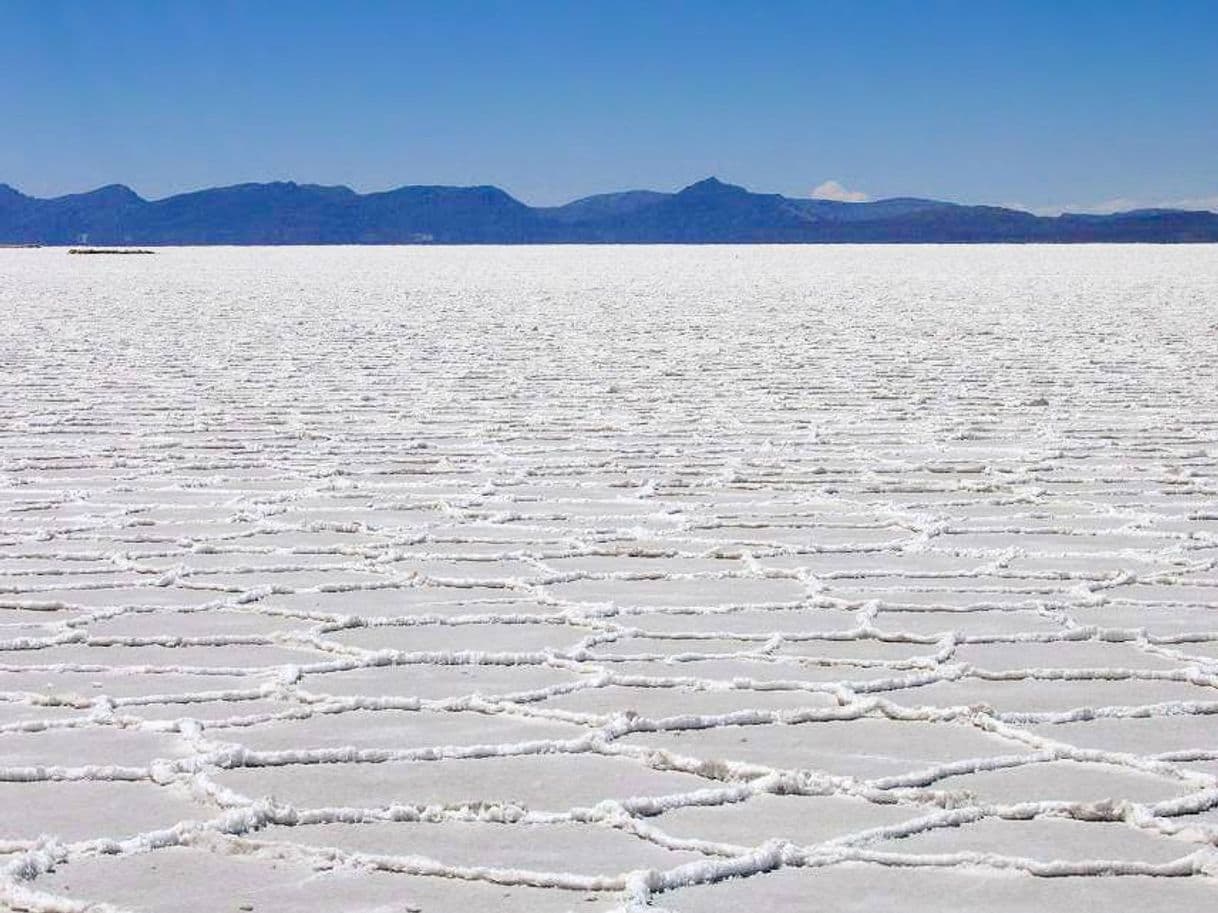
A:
{"points": [[711, 185], [113, 194]]}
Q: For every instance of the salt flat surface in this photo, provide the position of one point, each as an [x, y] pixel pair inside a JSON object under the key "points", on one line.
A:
{"points": [[550, 579]]}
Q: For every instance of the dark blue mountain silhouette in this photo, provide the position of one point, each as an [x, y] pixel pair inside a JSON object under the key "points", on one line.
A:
{"points": [[709, 211]]}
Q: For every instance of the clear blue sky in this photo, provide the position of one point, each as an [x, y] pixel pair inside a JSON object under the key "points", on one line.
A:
{"points": [[1039, 103]]}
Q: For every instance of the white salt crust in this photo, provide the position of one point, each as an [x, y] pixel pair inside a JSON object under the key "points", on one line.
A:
{"points": [[540, 579]]}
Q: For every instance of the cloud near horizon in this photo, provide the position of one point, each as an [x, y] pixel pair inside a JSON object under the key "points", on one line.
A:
{"points": [[832, 190], [1124, 204]]}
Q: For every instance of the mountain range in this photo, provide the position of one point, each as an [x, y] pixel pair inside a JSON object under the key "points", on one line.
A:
{"points": [[706, 212]]}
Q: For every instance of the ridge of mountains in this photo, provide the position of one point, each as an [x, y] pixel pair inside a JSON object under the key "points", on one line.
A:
{"points": [[706, 212]]}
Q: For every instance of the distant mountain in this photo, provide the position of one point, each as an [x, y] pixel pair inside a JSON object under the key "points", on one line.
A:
{"points": [[603, 205], [709, 211]]}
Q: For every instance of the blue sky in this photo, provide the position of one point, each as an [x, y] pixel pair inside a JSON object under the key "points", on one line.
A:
{"points": [[1042, 104]]}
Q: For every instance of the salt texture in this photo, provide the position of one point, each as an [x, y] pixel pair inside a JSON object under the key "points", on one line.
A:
{"points": [[549, 579]]}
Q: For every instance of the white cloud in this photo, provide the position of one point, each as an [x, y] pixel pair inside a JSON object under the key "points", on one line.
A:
{"points": [[832, 190], [1210, 203], [1124, 204]]}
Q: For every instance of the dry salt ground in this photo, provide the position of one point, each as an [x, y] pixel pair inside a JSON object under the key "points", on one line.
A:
{"points": [[549, 579]]}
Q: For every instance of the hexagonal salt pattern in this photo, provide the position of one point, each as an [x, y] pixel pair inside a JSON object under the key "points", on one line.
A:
{"points": [[598, 579]]}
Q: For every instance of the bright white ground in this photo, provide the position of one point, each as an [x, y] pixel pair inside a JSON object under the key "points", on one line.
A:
{"points": [[702, 579]]}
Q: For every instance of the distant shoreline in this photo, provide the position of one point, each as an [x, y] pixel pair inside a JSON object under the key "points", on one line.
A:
{"points": [[108, 250], [154, 248]]}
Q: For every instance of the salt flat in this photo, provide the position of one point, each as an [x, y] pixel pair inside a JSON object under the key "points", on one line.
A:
{"points": [[548, 579]]}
